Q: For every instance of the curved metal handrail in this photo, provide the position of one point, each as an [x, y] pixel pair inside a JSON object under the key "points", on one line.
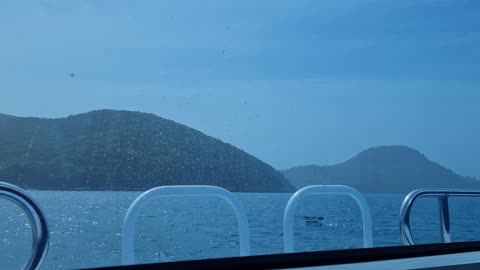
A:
{"points": [[36, 218], [322, 190], [442, 194], [179, 191]]}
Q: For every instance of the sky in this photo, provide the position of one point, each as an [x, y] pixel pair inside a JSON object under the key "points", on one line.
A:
{"points": [[291, 82]]}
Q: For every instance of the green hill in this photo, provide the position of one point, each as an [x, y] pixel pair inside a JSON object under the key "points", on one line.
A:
{"points": [[385, 169], [122, 150]]}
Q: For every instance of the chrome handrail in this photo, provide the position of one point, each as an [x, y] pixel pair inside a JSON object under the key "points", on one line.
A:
{"points": [[36, 218], [179, 191], [444, 213], [323, 190]]}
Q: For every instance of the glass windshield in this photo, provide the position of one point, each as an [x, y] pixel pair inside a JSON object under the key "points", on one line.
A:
{"points": [[237, 105]]}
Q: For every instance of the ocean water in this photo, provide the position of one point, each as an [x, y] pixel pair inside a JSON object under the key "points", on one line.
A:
{"points": [[85, 227]]}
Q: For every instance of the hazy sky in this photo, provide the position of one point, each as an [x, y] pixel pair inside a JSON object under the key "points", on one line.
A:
{"points": [[291, 82]]}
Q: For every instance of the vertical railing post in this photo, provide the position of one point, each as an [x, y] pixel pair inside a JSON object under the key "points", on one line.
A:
{"points": [[37, 219], [444, 214], [128, 242], [288, 218]]}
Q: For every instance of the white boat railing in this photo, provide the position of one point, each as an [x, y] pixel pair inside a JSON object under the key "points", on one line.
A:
{"points": [[288, 219], [182, 191], [40, 229], [444, 212], [36, 218]]}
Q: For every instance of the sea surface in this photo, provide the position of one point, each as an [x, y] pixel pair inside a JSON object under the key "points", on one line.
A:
{"points": [[85, 226]]}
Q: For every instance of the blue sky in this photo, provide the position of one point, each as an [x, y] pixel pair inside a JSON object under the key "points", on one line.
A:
{"points": [[292, 82]]}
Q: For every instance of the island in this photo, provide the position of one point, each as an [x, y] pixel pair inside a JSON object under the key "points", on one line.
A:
{"points": [[124, 150], [382, 169]]}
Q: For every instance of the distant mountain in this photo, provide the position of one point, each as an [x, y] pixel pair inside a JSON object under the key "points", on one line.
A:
{"points": [[122, 150], [384, 169]]}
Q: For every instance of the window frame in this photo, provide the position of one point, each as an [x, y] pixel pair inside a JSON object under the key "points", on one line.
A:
{"points": [[318, 258]]}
